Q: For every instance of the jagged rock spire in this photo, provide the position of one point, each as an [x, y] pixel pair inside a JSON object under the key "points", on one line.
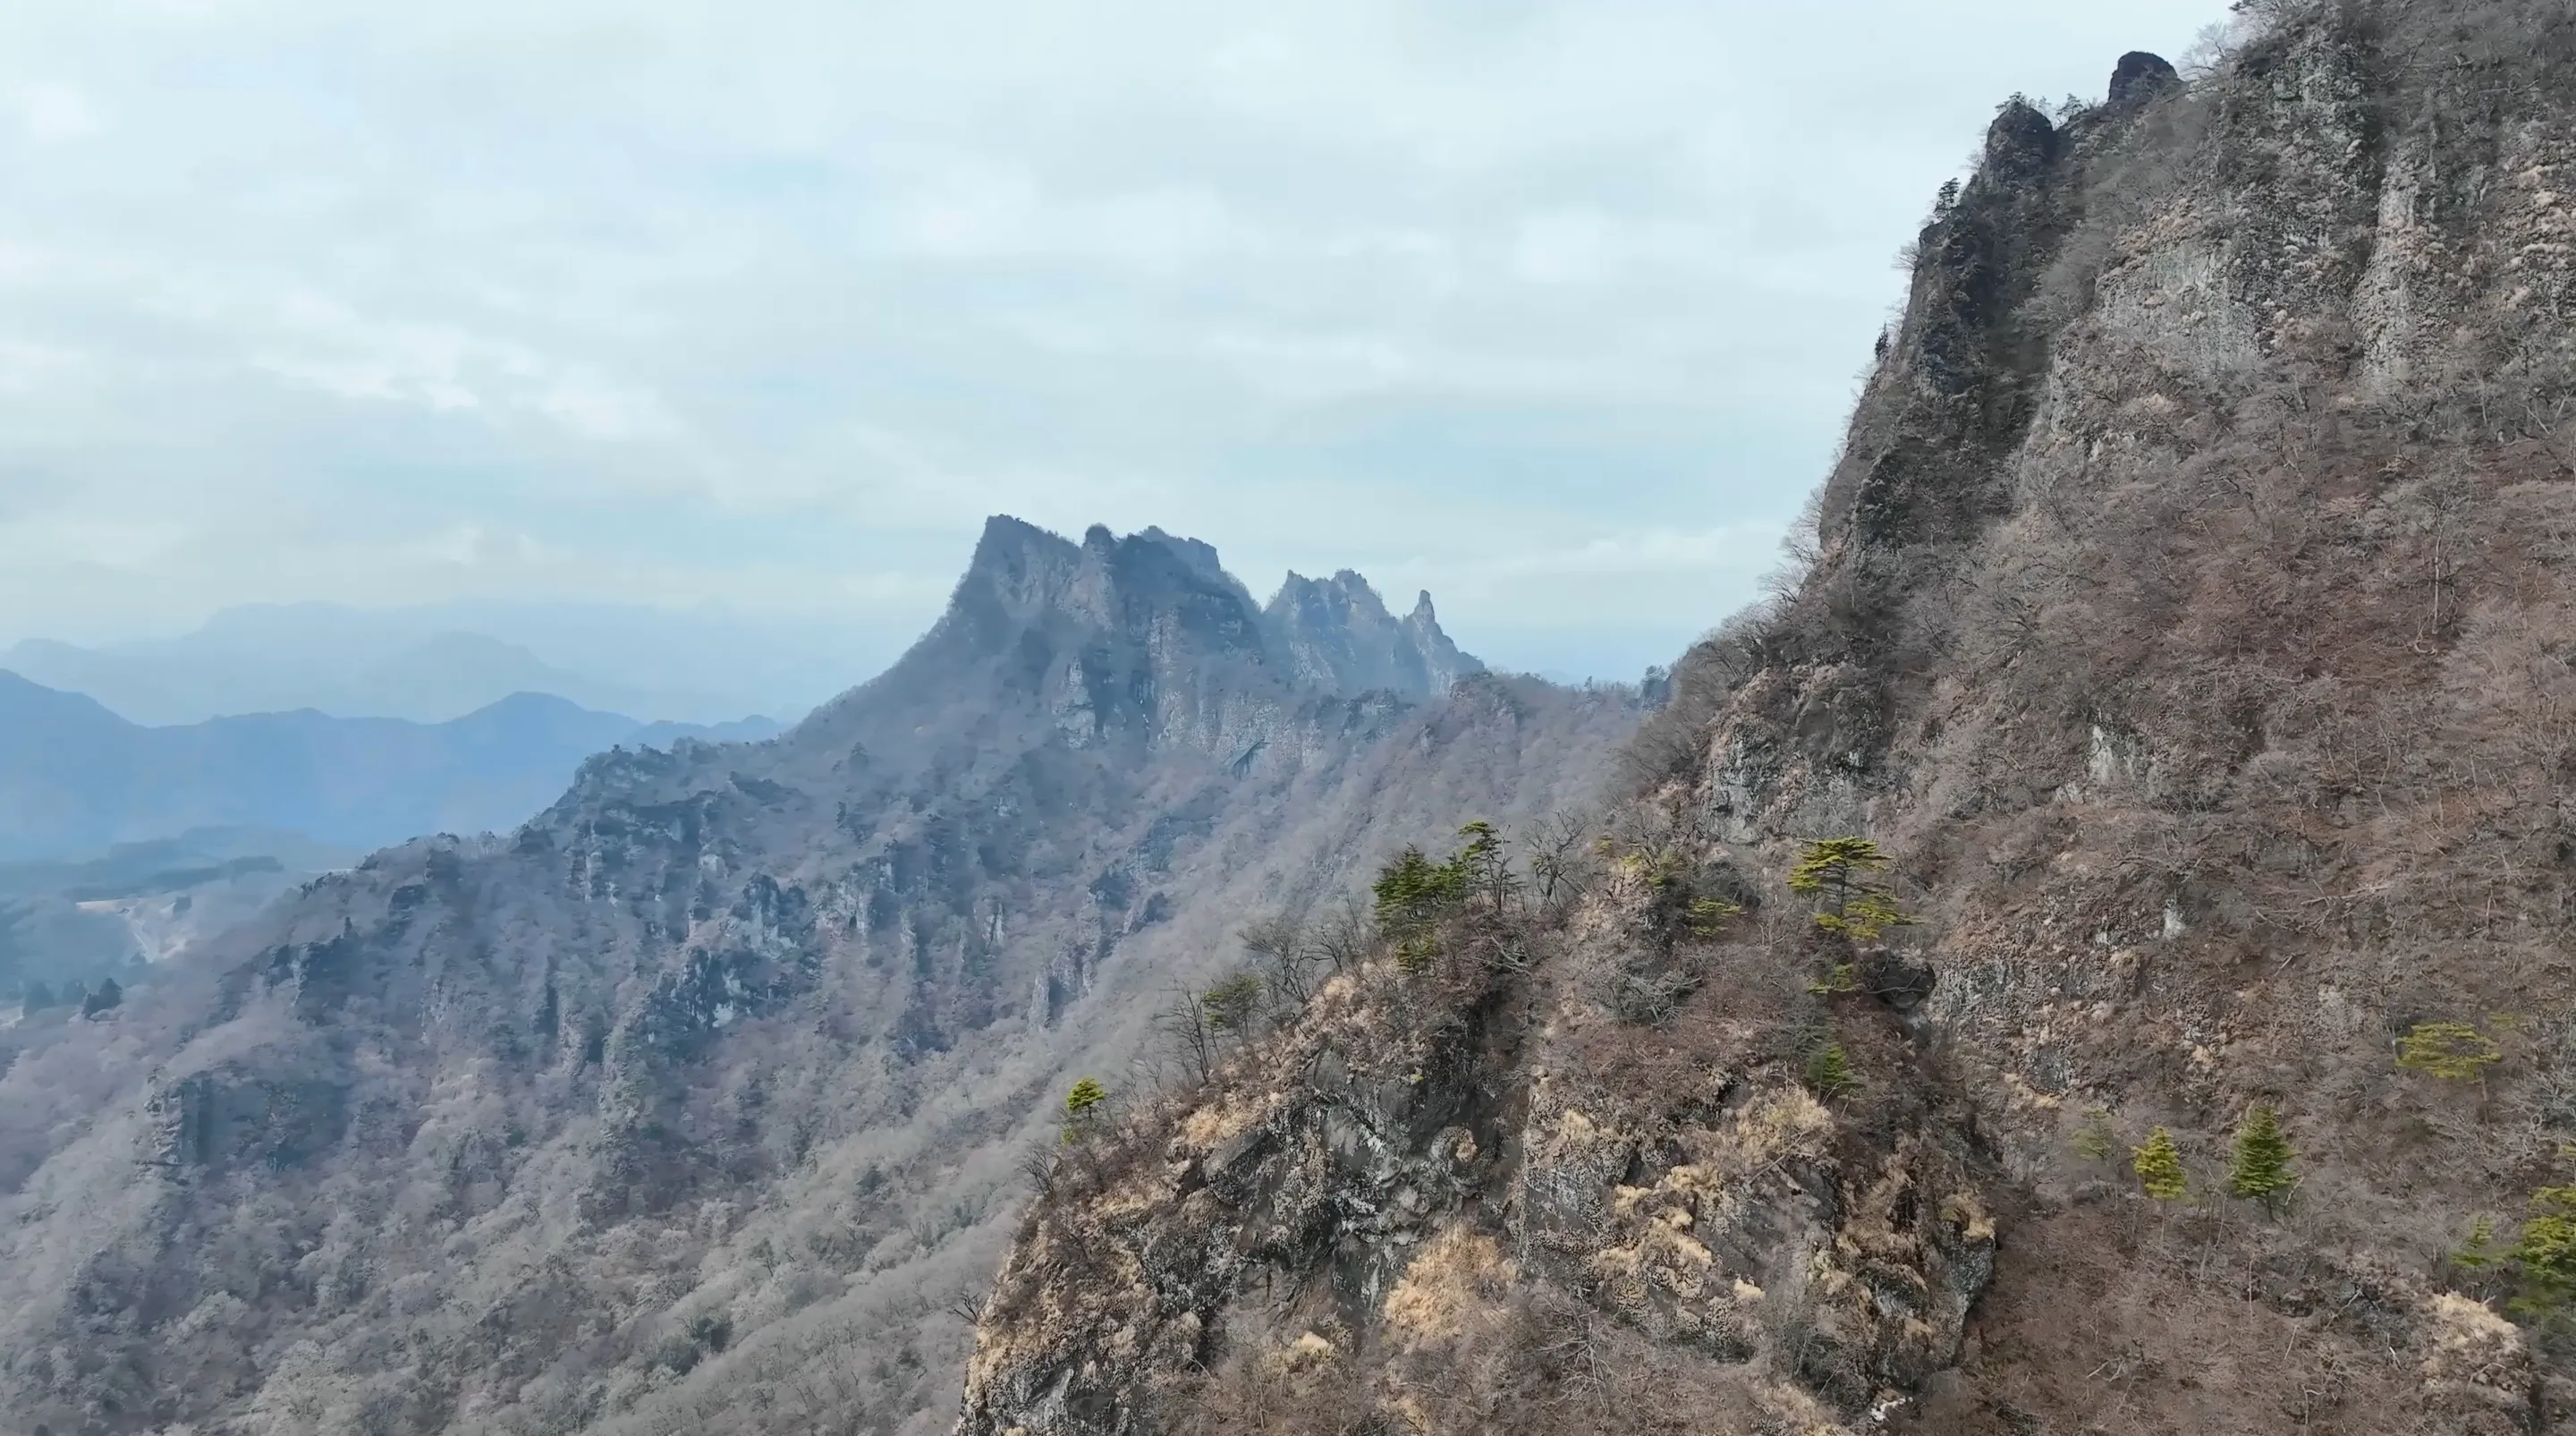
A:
{"points": [[1336, 633]]}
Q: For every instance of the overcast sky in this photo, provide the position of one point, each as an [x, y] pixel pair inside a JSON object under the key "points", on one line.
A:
{"points": [[1552, 308]]}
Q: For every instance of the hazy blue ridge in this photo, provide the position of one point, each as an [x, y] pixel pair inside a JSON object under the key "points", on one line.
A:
{"points": [[76, 779]]}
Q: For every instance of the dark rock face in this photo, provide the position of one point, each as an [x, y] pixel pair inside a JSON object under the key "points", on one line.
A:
{"points": [[734, 1039], [1913, 473], [1331, 1185], [2019, 145], [2140, 77], [231, 1119]]}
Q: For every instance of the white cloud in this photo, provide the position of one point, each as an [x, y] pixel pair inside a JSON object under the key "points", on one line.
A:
{"points": [[473, 546], [54, 112], [322, 344], [1728, 547], [27, 365], [1530, 301], [120, 545]]}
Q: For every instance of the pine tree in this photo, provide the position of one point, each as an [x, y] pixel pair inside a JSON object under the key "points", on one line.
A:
{"points": [[1829, 1071], [2159, 1167], [1835, 872], [2095, 1139], [2545, 1254], [1414, 894], [1412, 890], [2478, 1252], [1234, 1004], [1083, 1102], [1707, 918], [1840, 978], [1484, 865], [2454, 1050], [1834, 868], [2262, 1167]]}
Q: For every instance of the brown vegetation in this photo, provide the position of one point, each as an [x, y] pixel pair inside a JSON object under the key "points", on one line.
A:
{"points": [[2187, 622]]}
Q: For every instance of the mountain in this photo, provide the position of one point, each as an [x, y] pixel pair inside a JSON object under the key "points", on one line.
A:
{"points": [[2173, 723], [701, 1100], [433, 664], [75, 778], [245, 663]]}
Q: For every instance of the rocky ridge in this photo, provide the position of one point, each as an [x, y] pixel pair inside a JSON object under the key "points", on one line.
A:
{"points": [[2187, 622]]}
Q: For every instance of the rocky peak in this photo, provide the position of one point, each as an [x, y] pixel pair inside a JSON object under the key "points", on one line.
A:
{"points": [[1336, 633], [2019, 144], [1146, 636], [1921, 475], [1020, 571], [2140, 77], [1199, 555], [1139, 637]]}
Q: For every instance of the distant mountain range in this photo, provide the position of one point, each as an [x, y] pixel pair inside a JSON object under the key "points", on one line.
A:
{"points": [[433, 664], [431, 679], [76, 778]]}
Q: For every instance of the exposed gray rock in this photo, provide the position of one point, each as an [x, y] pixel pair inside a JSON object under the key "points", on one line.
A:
{"points": [[1335, 633]]}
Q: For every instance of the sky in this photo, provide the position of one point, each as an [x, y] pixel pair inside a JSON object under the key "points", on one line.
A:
{"points": [[758, 308]]}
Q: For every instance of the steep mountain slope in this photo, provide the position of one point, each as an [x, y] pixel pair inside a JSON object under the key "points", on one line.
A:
{"points": [[2189, 623], [76, 779], [696, 1103]]}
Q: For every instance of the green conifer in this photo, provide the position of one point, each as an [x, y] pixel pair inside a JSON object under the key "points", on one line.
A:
{"points": [[1234, 1004], [1829, 1071], [2095, 1139], [1707, 918], [1083, 1108], [1840, 978], [1835, 873], [2545, 1254], [2262, 1167], [2454, 1050], [2478, 1252], [2159, 1167]]}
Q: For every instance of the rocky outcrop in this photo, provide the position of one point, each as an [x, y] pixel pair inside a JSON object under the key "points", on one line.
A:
{"points": [[1445, 1148]]}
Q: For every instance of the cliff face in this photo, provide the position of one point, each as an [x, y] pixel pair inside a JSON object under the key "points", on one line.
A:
{"points": [[695, 1103], [2190, 627]]}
